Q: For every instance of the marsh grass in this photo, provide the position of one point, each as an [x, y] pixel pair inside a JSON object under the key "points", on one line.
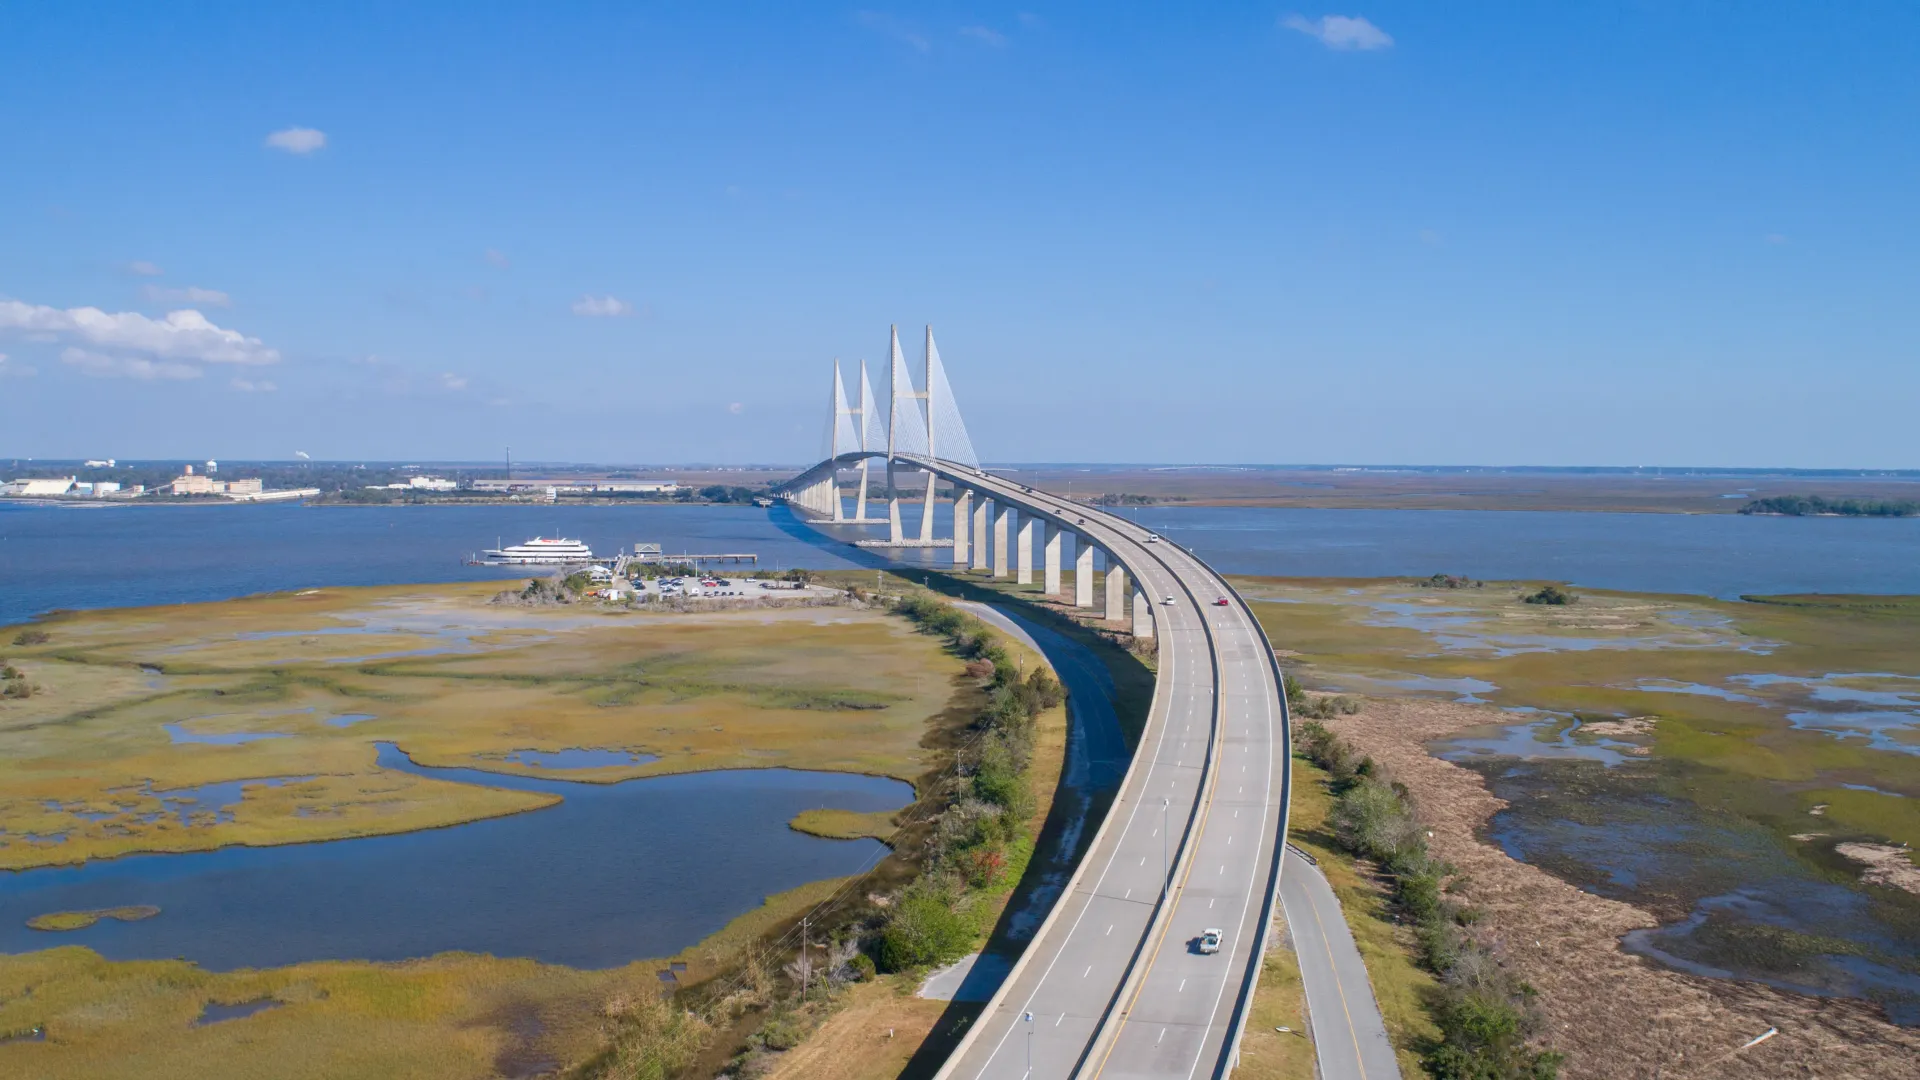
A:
{"points": [[1593, 659], [456, 1015], [80, 920], [830, 688], [836, 824]]}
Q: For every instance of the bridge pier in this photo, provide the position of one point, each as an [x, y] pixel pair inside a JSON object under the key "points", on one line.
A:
{"points": [[860, 499], [980, 515], [926, 510], [894, 535], [1142, 615], [1116, 590], [962, 502], [1002, 523], [1051, 579], [1023, 553], [1083, 573]]}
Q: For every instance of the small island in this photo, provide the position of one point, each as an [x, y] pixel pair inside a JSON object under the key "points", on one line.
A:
{"points": [[80, 920], [1815, 506]]}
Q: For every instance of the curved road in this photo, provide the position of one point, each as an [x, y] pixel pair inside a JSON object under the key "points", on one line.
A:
{"points": [[1112, 984]]}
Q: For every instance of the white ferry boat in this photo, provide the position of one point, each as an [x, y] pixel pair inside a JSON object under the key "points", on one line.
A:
{"points": [[540, 551]]}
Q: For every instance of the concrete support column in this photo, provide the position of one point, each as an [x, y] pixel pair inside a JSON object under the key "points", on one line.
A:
{"points": [[1142, 615], [926, 510], [860, 500], [1116, 591], [980, 515], [893, 520], [1051, 579], [1002, 523], [1083, 574], [962, 502], [833, 495], [1024, 553]]}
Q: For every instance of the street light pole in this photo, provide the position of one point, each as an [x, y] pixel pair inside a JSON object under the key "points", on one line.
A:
{"points": [[1029, 1019]]}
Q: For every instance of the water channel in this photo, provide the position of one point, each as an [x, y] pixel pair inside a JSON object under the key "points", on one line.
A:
{"points": [[612, 873]]}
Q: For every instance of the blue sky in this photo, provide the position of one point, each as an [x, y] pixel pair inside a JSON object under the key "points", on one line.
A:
{"points": [[1630, 233]]}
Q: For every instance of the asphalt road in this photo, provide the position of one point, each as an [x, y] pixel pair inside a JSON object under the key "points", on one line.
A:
{"points": [[1112, 984], [1349, 1037]]}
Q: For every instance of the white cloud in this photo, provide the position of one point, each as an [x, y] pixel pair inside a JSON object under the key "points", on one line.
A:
{"points": [[1340, 31], [601, 307], [453, 382], [143, 268], [986, 35], [103, 366], [297, 140], [252, 386], [889, 26], [496, 257], [736, 408], [182, 335], [192, 294], [14, 370]]}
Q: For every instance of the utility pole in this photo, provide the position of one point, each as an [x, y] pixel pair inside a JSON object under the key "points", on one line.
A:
{"points": [[1029, 1019], [806, 958]]}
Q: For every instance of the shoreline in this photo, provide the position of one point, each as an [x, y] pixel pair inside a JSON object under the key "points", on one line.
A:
{"points": [[1612, 1012]]}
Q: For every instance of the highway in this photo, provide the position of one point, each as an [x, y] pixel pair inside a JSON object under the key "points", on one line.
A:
{"points": [[1112, 984]]}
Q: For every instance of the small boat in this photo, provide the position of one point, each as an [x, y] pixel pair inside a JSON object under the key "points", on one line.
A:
{"points": [[540, 551]]}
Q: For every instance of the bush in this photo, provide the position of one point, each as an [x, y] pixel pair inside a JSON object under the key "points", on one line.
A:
{"points": [[1550, 594], [32, 637], [1485, 1038], [923, 929]]}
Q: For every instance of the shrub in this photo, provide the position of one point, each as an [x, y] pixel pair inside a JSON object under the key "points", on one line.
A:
{"points": [[32, 637], [923, 929], [1550, 594]]}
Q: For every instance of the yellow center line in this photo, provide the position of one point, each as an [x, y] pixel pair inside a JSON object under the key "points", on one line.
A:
{"points": [[1313, 908]]}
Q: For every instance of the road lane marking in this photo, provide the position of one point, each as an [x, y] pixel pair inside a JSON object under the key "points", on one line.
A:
{"points": [[1183, 987], [1087, 972]]}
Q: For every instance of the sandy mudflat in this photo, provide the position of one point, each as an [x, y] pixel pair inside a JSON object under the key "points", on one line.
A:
{"points": [[1612, 1013]]}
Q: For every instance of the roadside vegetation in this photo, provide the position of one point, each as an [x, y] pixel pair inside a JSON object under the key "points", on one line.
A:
{"points": [[1816, 506], [960, 850], [1487, 1019], [1301, 704]]}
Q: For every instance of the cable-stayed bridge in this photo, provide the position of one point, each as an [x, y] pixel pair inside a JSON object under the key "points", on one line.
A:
{"points": [[1112, 983]]}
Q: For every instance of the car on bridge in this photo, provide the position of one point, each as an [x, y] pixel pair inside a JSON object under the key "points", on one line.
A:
{"points": [[1222, 602], [1210, 939], [1168, 601]]}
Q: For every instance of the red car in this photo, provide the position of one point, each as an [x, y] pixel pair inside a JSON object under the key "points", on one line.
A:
{"points": [[1222, 602]]}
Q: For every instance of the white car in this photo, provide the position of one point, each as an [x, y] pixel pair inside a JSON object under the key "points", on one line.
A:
{"points": [[1210, 939], [1168, 601], [1152, 538]]}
